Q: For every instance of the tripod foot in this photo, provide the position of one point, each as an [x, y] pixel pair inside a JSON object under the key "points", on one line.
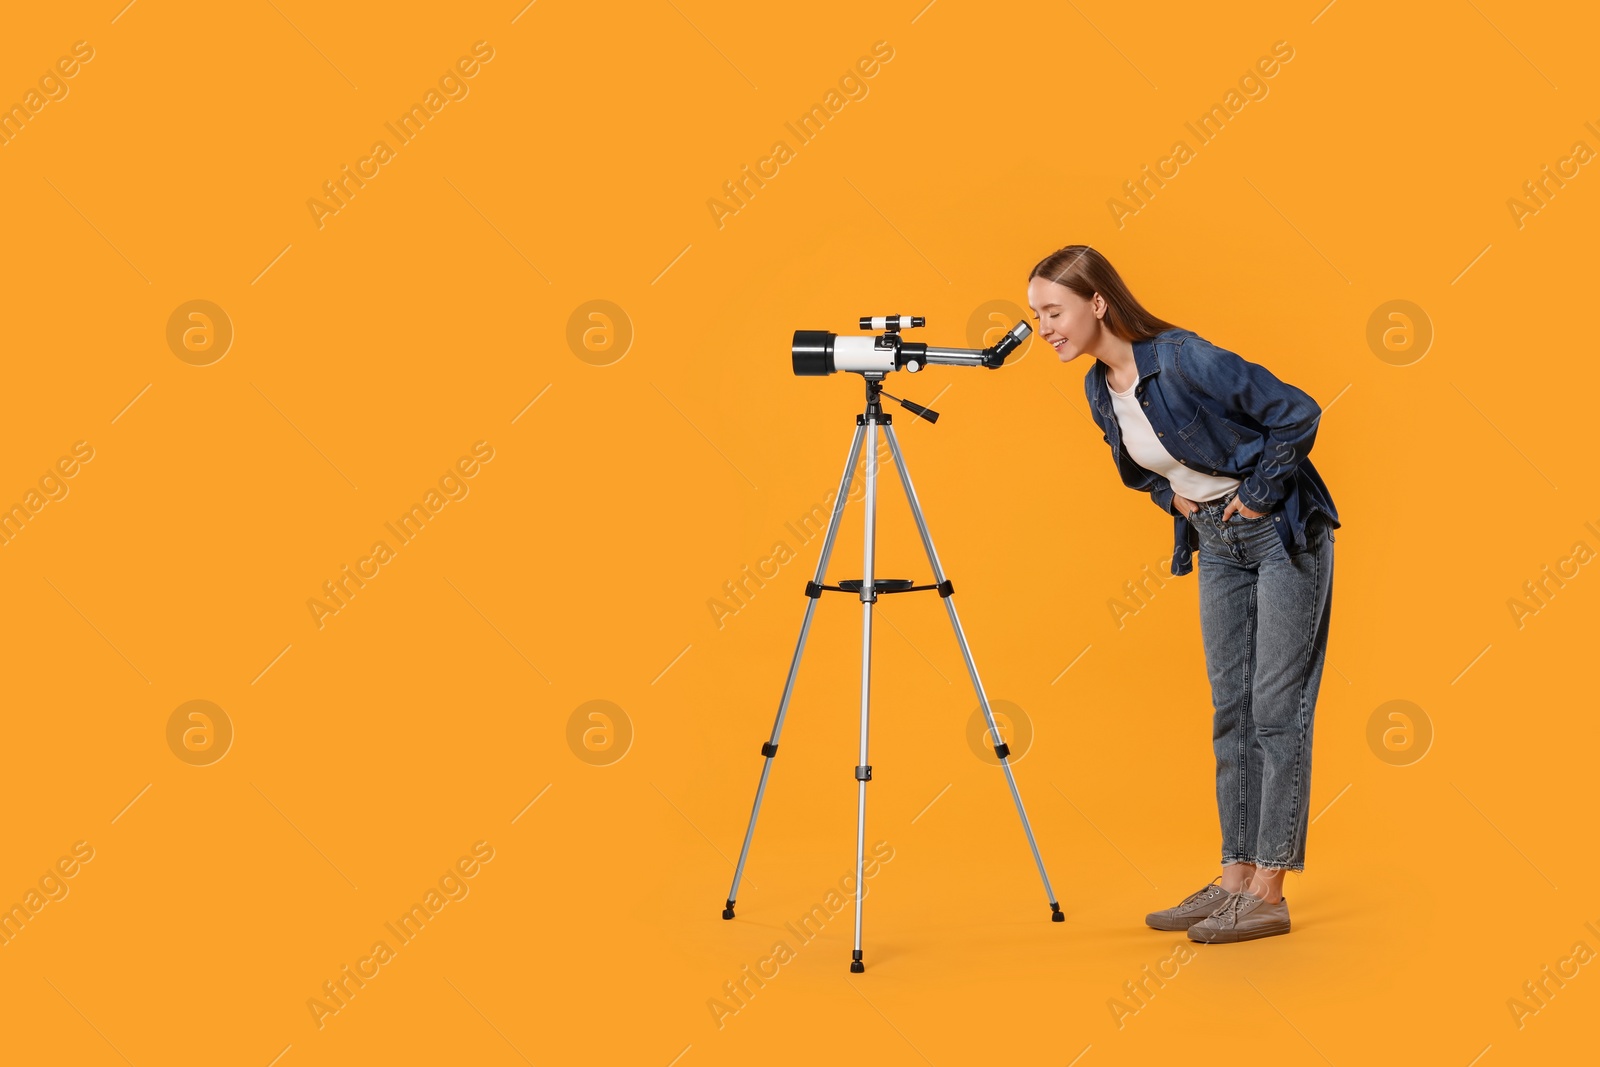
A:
{"points": [[1055, 913], [727, 912], [856, 966]]}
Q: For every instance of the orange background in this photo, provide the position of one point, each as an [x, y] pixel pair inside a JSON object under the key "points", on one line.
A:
{"points": [[433, 308]]}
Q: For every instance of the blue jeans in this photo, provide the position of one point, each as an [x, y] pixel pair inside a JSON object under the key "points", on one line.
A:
{"points": [[1264, 619]]}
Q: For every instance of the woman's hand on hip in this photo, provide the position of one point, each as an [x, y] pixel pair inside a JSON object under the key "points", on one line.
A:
{"points": [[1235, 506], [1184, 506]]}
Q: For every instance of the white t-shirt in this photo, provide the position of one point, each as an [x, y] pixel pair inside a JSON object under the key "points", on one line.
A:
{"points": [[1146, 449]]}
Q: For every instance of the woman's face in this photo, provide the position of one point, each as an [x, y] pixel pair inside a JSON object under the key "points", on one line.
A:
{"points": [[1064, 319]]}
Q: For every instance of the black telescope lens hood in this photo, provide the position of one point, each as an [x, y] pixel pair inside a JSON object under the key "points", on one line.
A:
{"points": [[813, 353]]}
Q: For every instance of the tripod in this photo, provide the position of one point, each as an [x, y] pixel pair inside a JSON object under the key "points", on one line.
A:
{"points": [[868, 588]]}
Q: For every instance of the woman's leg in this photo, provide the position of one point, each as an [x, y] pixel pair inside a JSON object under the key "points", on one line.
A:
{"points": [[1294, 604], [1228, 627], [1237, 876]]}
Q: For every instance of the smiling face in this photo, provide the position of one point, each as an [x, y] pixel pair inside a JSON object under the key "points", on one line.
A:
{"points": [[1065, 320]]}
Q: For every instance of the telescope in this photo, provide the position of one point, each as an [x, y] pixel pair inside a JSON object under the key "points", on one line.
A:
{"points": [[818, 352]]}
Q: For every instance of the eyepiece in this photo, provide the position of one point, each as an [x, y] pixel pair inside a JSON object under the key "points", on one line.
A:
{"points": [[995, 358]]}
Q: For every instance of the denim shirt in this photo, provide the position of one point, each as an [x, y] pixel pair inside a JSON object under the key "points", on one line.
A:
{"points": [[1222, 415]]}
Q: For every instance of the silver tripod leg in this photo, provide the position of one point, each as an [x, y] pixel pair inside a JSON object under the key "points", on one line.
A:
{"points": [[972, 670], [868, 595], [814, 593]]}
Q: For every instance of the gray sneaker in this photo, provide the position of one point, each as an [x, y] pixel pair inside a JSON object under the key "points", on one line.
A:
{"points": [[1190, 910], [1242, 918]]}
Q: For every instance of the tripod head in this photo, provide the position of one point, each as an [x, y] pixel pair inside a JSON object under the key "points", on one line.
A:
{"points": [[818, 352]]}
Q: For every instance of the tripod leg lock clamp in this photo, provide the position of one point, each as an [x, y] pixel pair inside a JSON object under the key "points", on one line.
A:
{"points": [[1002, 750], [768, 749], [813, 590], [864, 774], [946, 588]]}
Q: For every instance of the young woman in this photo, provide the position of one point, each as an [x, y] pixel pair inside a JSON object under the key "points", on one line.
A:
{"points": [[1219, 443]]}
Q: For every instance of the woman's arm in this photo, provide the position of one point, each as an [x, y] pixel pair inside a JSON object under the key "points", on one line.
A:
{"points": [[1290, 415], [1162, 493]]}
